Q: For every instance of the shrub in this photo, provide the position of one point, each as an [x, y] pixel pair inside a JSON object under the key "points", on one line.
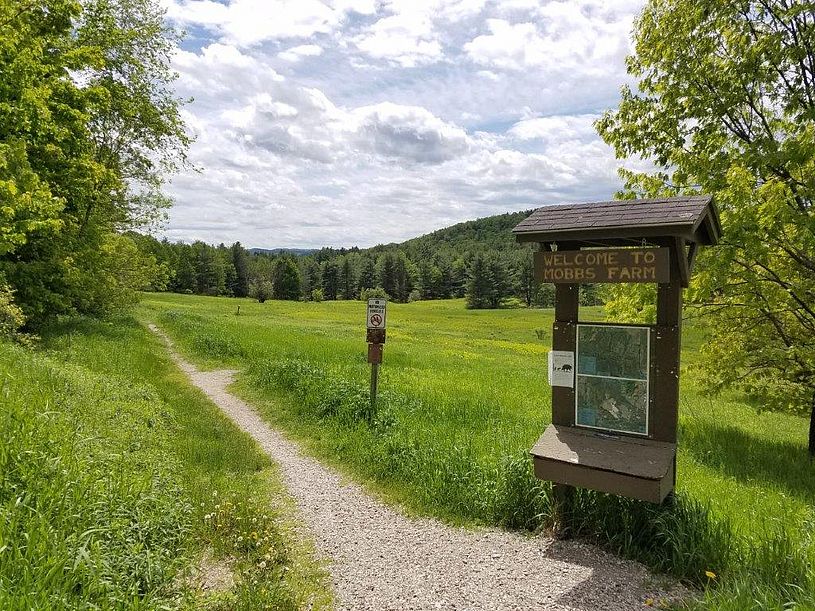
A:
{"points": [[317, 295], [261, 290], [11, 316], [375, 293]]}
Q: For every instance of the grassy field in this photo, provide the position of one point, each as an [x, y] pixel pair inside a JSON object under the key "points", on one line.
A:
{"points": [[463, 398], [120, 483]]}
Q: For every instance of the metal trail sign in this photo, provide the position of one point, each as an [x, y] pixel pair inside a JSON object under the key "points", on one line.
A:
{"points": [[376, 313]]}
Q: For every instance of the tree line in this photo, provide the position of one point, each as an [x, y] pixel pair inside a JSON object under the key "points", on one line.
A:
{"points": [[487, 279]]}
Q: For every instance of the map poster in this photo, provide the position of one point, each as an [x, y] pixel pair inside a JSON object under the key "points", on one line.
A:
{"points": [[612, 378]]}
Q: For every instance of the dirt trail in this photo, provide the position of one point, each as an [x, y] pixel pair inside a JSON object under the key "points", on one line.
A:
{"points": [[380, 559]]}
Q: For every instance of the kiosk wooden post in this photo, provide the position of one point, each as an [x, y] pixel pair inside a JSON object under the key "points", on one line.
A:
{"points": [[614, 422], [567, 304]]}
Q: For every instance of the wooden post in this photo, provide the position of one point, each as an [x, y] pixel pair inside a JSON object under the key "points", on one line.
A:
{"points": [[564, 333], [562, 509], [666, 354], [667, 346], [374, 358], [374, 383]]}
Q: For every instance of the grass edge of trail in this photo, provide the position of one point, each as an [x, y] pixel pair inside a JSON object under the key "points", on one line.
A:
{"points": [[766, 567], [114, 387]]}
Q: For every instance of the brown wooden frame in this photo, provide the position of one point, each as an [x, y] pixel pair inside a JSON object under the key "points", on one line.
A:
{"points": [[570, 455]]}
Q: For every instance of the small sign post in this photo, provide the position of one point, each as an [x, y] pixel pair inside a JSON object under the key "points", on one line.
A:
{"points": [[375, 317]]}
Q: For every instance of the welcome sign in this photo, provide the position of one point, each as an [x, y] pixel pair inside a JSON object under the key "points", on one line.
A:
{"points": [[603, 265]]}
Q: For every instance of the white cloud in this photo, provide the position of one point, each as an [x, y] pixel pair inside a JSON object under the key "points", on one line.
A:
{"points": [[411, 32], [406, 38], [249, 22], [408, 132], [574, 127], [299, 52], [559, 36], [404, 117], [513, 46]]}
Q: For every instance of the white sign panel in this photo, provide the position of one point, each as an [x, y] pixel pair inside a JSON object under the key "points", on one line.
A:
{"points": [[561, 368], [376, 313]]}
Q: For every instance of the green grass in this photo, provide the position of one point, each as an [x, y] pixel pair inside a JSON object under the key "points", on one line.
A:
{"points": [[109, 464], [464, 396]]}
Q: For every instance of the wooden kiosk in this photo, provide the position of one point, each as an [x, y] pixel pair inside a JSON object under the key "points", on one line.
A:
{"points": [[615, 388]]}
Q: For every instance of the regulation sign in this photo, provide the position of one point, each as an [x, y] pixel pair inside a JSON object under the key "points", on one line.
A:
{"points": [[561, 368], [376, 313], [603, 265]]}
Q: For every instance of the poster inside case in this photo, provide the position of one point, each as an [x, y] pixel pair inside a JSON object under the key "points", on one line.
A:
{"points": [[612, 382]]}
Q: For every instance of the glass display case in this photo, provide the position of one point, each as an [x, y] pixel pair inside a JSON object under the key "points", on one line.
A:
{"points": [[612, 377]]}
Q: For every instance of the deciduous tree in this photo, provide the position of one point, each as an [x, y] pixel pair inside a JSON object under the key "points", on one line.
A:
{"points": [[725, 104], [89, 127]]}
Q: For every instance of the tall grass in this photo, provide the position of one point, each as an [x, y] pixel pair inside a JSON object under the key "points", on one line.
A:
{"points": [[91, 510], [463, 400], [109, 464]]}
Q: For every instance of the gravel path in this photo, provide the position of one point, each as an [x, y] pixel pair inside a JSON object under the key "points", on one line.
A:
{"points": [[380, 559]]}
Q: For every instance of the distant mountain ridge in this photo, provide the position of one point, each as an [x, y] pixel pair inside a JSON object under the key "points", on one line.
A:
{"points": [[297, 252]]}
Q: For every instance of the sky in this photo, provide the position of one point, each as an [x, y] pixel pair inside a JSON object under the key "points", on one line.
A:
{"points": [[358, 122]]}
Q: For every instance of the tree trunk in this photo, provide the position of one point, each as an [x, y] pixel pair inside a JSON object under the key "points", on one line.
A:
{"points": [[812, 429]]}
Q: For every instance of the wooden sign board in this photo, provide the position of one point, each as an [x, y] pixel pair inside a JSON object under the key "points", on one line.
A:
{"points": [[603, 265], [376, 336], [375, 354]]}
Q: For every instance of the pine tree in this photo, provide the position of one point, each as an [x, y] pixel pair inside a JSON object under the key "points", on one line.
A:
{"points": [[444, 285], [312, 278], [240, 286], [458, 278], [387, 274], [367, 274], [209, 273], [331, 279], [348, 281], [526, 284], [479, 283], [286, 279], [183, 280], [501, 277], [404, 273]]}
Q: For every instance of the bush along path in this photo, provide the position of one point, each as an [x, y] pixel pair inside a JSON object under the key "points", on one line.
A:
{"points": [[381, 559]]}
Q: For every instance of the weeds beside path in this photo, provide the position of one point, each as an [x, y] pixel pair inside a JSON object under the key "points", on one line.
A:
{"points": [[123, 487], [382, 559]]}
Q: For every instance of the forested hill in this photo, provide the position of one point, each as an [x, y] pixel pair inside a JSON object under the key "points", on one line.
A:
{"points": [[488, 233]]}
